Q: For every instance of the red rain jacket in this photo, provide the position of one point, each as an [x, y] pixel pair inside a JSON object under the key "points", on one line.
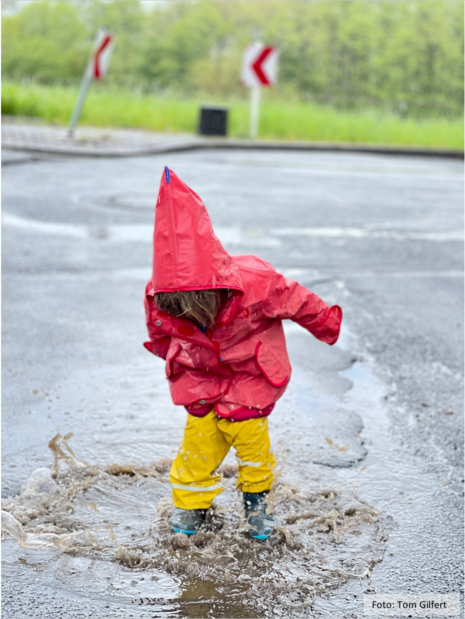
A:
{"points": [[240, 367]]}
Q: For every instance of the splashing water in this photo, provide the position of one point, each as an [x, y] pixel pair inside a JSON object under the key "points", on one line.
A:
{"points": [[118, 514]]}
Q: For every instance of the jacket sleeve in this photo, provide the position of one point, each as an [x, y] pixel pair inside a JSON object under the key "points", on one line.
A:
{"points": [[159, 341], [291, 300]]}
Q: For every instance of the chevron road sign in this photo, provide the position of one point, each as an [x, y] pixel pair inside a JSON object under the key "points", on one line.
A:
{"points": [[96, 69], [259, 68], [259, 65], [100, 58]]}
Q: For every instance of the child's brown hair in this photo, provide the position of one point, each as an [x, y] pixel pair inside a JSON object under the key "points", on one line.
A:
{"points": [[200, 306]]}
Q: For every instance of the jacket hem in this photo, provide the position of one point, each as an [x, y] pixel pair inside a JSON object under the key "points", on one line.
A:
{"points": [[241, 414]]}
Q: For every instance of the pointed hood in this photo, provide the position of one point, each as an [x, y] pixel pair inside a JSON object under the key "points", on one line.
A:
{"points": [[186, 254]]}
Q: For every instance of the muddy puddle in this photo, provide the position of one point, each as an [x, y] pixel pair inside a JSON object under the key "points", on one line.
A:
{"points": [[88, 533], [102, 531]]}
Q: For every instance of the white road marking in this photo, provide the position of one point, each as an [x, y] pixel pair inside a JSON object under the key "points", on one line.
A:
{"points": [[229, 236], [45, 227], [133, 232], [396, 235]]}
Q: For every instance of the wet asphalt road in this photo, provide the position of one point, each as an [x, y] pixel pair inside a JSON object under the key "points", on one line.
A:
{"points": [[381, 236]]}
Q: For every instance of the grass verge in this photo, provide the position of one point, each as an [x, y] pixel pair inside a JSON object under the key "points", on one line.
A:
{"points": [[279, 119]]}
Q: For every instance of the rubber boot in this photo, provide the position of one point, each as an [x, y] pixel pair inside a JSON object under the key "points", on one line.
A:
{"points": [[187, 521], [261, 524]]}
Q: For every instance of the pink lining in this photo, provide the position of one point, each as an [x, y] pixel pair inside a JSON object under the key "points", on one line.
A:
{"points": [[251, 413], [199, 412], [242, 414]]}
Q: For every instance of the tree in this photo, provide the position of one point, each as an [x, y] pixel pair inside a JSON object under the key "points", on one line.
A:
{"points": [[46, 41], [405, 56]]}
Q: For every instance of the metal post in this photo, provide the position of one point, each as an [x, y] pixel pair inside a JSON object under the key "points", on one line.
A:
{"points": [[254, 110], [80, 102]]}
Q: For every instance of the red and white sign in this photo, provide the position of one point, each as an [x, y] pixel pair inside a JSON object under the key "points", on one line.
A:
{"points": [[100, 60], [259, 65]]}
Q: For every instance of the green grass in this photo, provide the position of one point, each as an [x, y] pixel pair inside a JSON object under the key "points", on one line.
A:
{"points": [[279, 119]]}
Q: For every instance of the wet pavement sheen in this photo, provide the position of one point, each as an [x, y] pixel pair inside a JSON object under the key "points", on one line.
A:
{"points": [[368, 436]]}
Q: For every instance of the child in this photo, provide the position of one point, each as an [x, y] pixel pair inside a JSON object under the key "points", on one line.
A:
{"points": [[216, 320]]}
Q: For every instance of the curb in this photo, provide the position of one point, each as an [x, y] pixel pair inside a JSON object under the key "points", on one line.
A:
{"points": [[330, 147], [140, 152], [144, 143], [239, 145]]}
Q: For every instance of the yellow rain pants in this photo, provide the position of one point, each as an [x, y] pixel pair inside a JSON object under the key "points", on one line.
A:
{"points": [[207, 440]]}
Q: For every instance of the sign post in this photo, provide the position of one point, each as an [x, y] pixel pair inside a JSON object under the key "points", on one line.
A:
{"points": [[97, 67], [254, 110], [259, 68]]}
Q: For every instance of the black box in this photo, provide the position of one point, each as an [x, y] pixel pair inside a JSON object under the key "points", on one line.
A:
{"points": [[213, 120]]}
